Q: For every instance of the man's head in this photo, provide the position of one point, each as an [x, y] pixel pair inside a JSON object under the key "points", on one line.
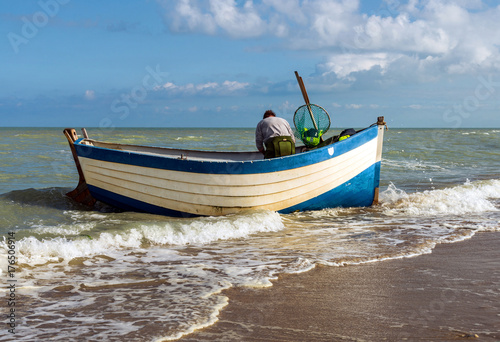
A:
{"points": [[269, 113]]}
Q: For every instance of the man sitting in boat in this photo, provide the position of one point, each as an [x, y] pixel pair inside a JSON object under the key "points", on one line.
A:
{"points": [[276, 135]]}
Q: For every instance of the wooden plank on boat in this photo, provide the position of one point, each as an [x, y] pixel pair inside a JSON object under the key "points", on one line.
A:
{"points": [[201, 192]]}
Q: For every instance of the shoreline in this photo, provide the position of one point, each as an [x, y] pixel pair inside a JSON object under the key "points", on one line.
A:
{"points": [[448, 295]]}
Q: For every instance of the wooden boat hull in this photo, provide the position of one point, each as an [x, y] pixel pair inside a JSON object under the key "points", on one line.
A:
{"points": [[183, 183]]}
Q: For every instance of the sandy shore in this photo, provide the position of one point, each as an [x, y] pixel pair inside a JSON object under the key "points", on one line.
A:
{"points": [[451, 294]]}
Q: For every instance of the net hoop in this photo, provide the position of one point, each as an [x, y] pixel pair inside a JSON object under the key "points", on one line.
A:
{"points": [[302, 119]]}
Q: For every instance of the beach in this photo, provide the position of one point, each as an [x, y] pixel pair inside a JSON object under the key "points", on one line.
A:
{"points": [[448, 295], [421, 265]]}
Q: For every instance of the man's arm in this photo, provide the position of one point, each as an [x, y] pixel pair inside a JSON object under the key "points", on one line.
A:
{"points": [[259, 139]]}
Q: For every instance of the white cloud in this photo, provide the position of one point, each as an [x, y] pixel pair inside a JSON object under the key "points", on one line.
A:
{"points": [[439, 36], [354, 106], [209, 16], [205, 86], [402, 34], [89, 95], [231, 86], [237, 22], [167, 86], [209, 88], [325, 19], [415, 106], [189, 17], [345, 64], [290, 9], [331, 20]]}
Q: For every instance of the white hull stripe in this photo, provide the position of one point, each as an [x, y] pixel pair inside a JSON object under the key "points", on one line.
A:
{"points": [[202, 193]]}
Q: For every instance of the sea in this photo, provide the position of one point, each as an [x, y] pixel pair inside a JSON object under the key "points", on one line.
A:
{"points": [[73, 273]]}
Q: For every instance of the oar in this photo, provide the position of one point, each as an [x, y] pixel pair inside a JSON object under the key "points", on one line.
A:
{"points": [[306, 98]]}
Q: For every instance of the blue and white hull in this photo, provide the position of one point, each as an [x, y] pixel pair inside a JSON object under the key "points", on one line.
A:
{"points": [[184, 182]]}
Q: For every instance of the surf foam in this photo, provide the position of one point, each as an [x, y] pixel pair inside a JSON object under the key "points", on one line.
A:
{"points": [[469, 198], [35, 250]]}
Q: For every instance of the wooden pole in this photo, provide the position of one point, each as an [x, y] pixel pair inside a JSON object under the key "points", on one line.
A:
{"points": [[306, 98], [81, 193]]}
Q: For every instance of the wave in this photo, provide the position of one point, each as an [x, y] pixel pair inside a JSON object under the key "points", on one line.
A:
{"points": [[40, 197], [136, 235], [469, 198], [47, 198], [411, 164], [481, 132], [189, 138], [79, 233]]}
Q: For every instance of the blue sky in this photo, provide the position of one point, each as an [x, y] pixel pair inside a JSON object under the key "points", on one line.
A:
{"points": [[222, 63]]}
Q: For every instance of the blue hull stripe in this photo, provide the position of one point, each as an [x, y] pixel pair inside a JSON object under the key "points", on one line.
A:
{"points": [[357, 192], [231, 167]]}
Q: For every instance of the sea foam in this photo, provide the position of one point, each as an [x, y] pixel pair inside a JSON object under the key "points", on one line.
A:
{"points": [[35, 251], [469, 198]]}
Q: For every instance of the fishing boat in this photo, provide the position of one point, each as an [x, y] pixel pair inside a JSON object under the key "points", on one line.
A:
{"points": [[180, 182]]}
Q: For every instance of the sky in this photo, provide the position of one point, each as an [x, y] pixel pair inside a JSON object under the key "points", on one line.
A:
{"points": [[222, 63]]}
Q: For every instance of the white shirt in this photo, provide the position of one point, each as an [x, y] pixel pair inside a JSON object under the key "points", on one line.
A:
{"points": [[271, 127]]}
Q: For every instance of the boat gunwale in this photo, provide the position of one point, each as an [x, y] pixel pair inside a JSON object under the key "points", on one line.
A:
{"points": [[129, 148]]}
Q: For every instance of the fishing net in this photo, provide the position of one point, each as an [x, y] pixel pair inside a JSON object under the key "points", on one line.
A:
{"points": [[309, 133]]}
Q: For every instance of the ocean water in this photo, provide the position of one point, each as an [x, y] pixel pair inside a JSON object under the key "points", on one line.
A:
{"points": [[104, 275]]}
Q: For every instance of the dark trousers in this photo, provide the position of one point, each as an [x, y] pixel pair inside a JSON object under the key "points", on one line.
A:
{"points": [[279, 147]]}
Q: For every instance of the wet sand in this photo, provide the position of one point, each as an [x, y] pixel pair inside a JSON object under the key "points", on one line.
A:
{"points": [[451, 294]]}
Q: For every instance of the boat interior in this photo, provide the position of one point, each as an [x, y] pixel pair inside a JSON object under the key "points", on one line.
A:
{"points": [[198, 155]]}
